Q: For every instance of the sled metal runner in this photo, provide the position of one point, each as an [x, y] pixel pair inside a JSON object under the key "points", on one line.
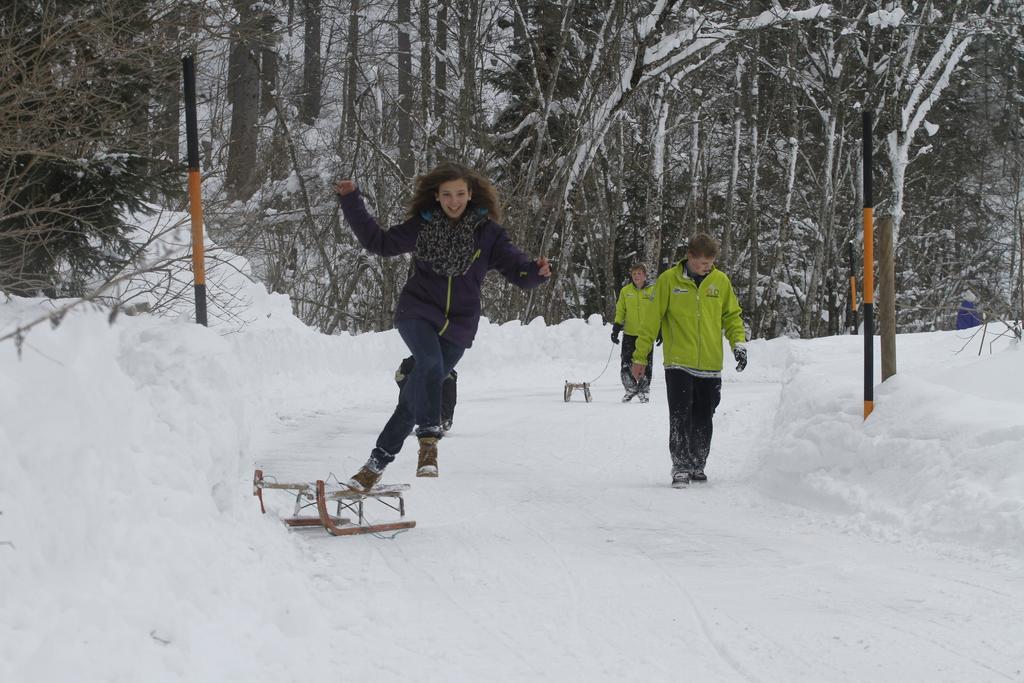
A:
{"points": [[319, 496]]}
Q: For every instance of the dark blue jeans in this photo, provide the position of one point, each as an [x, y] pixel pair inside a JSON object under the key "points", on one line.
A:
{"points": [[419, 400]]}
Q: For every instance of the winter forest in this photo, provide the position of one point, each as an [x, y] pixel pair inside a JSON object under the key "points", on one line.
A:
{"points": [[164, 485], [613, 131]]}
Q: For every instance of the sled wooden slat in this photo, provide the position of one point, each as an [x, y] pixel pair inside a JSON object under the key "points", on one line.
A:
{"points": [[333, 492], [391, 491], [345, 498], [355, 530], [313, 521]]}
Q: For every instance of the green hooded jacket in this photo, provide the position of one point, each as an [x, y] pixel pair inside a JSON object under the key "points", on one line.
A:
{"points": [[633, 307], [692, 320]]}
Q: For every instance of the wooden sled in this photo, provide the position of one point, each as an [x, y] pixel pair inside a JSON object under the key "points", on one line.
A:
{"points": [[308, 494], [570, 386]]}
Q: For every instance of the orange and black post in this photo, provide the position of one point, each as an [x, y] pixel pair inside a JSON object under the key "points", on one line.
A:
{"points": [[869, 275], [194, 194]]}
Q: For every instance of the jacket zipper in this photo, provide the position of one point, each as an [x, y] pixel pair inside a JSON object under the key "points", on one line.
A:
{"points": [[448, 301], [447, 307], [641, 295], [699, 331], [696, 290]]}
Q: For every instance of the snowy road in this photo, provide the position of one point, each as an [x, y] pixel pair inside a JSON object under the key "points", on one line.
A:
{"points": [[552, 548]]}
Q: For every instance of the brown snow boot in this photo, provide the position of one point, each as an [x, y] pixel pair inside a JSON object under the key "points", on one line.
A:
{"points": [[428, 457], [365, 479], [370, 473]]}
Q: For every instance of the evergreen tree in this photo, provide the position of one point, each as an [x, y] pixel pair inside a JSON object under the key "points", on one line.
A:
{"points": [[74, 140]]}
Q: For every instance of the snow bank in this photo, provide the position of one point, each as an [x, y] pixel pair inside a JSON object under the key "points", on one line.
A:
{"points": [[939, 457], [124, 452]]}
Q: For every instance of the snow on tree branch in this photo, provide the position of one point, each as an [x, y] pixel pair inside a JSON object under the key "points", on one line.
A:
{"points": [[680, 52], [779, 15]]}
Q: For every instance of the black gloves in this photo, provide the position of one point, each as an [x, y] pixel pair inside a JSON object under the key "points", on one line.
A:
{"points": [[740, 354], [616, 328]]}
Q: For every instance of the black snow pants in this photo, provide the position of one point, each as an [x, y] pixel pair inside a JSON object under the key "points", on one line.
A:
{"points": [[691, 407], [632, 386]]}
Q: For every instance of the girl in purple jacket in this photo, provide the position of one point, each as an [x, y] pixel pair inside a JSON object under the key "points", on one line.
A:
{"points": [[455, 238]]}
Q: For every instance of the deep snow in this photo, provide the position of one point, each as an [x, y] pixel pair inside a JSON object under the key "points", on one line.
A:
{"points": [[551, 547]]}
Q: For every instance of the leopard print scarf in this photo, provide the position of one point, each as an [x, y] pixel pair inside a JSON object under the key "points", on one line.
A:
{"points": [[447, 246]]}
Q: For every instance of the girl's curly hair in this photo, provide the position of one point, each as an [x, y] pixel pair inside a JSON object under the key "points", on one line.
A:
{"points": [[483, 193]]}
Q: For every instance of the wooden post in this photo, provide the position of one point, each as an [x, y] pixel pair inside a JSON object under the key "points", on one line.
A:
{"points": [[869, 274], [887, 294], [194, 194]]}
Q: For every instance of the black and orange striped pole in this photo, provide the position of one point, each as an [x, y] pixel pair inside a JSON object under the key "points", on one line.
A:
{"points": [[869, 276], [194, 194]]}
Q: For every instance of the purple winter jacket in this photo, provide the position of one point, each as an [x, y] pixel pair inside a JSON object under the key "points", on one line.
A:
{"points": [[450, 304]]}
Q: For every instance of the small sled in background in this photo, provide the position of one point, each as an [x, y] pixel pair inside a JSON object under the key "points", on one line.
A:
{"points": [[585, 386], [319, 494], [571, 386]]}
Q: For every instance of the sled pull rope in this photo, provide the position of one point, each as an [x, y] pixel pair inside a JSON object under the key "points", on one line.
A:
{"points": [[606, 364]]}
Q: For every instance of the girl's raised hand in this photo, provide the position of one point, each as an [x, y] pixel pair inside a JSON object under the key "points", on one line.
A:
{"points": [[544, 266], [344, 187]]}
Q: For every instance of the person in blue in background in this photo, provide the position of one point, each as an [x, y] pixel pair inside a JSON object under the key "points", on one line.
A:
{"points": [[967, 317], [455, 237]]}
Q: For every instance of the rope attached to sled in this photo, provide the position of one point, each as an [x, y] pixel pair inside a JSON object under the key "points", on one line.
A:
{"points": [[606, 364]]}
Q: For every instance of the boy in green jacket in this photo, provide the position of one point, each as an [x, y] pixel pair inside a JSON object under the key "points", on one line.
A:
{"points": [[694, 305], [635, 302]]}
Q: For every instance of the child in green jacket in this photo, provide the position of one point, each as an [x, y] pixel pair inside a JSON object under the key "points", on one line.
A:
{"points": [[635, 302], [694, 305]]}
